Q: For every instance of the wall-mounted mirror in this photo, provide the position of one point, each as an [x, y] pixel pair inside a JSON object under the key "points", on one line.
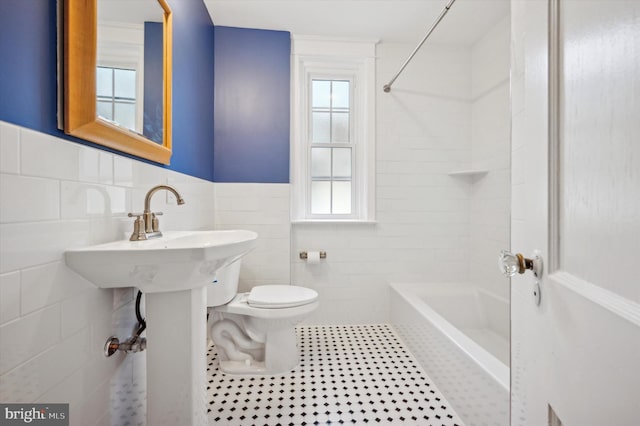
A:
{"points": [[117, 75]]}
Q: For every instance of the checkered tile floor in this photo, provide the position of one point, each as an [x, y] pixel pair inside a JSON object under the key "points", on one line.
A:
{"points": [[353, 374]]}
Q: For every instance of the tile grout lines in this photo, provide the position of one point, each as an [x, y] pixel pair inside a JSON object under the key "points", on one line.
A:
{"points": [[348, 374]]}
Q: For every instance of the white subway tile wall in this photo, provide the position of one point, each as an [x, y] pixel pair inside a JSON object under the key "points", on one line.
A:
{"points": [[448, 111], [263, 208], [422, 230], [53, 323], [490, 150], [10, 149]]}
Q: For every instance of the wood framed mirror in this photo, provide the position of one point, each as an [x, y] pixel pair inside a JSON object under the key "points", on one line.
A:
{"points": [[82, 115]]}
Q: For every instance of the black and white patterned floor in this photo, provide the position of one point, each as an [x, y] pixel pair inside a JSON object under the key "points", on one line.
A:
{"points": [[348, 374]]}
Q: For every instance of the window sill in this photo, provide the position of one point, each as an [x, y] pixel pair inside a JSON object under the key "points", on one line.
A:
{"points": [[334, 221]]}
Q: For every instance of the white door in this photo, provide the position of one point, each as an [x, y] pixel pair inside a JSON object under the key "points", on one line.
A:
{"points": [[576, 197]]}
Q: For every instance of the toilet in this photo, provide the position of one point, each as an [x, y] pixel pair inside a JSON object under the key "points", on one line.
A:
{"points": [[254, 332]]}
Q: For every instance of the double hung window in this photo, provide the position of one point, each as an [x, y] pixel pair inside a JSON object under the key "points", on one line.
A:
{"points": [[330, 147], [333, 131], [120, 74], [116, 93]]}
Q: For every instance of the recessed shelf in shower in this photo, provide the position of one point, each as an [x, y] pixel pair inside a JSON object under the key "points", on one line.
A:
{"points": [[470, 174]]}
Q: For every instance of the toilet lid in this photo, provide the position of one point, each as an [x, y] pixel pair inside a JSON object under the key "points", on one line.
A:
{"points": [[280, 296]]}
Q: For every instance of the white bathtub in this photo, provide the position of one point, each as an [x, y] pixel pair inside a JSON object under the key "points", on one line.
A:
{"points": [[460, 336]]}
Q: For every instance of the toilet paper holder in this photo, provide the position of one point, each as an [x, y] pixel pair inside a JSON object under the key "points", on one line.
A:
{"points": [[304, 255]]}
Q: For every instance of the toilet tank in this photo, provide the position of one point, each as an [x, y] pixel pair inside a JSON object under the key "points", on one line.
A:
{"points": [[225, 286]]}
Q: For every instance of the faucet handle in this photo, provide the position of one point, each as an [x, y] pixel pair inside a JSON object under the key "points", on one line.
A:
{"points": [[138, 227], [155, 223]]}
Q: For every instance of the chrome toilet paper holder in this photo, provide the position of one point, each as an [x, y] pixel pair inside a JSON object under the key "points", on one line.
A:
{"points": [[304, 255]]}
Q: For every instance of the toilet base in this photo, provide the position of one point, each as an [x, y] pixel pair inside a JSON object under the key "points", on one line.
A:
{"points": [[281, 351], [243, 367], [270, 351]]}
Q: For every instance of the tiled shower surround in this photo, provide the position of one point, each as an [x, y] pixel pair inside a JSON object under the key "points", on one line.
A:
{"points": [[448, 111]]}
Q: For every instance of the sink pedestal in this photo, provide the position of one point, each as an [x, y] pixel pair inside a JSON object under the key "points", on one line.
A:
{"points": [[172, 271], [176, 357]]}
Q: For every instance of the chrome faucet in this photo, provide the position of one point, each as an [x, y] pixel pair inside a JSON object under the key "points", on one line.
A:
{"points": [[147, 224]]}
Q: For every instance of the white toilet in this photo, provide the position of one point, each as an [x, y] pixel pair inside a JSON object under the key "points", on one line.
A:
{"points": [[254, 332]]}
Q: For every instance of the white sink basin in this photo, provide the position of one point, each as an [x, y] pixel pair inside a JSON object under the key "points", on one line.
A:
{"points": [[178, 260]]}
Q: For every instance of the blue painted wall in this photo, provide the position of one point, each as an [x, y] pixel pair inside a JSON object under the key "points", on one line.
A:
{"points": [[252, 97], [28, 77], [193, 88], [248, 118], [28, 64]]}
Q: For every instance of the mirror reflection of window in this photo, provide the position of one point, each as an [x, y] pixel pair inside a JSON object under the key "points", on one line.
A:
{"points": [[116, 93], [119, 74]]}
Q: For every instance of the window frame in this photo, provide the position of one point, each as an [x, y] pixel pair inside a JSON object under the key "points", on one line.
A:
{"points": [[315, 59]]}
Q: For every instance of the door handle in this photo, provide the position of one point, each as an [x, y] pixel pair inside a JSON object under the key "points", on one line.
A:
{"points": [[510, 264]]}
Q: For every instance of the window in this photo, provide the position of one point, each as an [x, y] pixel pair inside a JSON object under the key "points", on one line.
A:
{"points": [[116, 93], [333, 131], [120, 74], [330, 147]]}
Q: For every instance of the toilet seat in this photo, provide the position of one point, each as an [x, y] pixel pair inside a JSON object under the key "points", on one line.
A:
{"points": [[280, 296], [296, 301]]}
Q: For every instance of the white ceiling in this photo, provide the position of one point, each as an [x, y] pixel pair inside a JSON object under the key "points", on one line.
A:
{"points": [[386, 20], [133, 11]]}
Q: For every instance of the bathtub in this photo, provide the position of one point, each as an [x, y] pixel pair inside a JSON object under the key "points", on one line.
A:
{"points": [[460, 336]]}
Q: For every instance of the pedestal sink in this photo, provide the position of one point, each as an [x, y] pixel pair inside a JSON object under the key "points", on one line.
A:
{"points": [[172, 271]]}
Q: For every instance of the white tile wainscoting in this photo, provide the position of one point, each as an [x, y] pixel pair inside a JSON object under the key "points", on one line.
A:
{"points": [[55, 195], [263, 208]]}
